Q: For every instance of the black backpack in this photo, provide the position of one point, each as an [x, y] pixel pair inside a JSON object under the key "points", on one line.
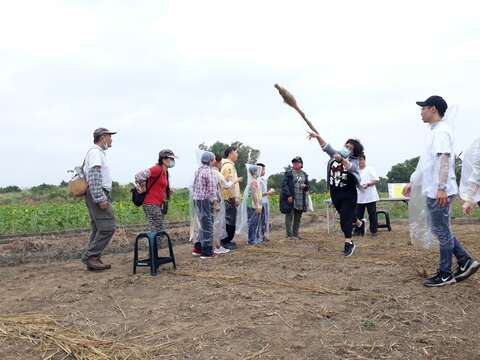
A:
{"points": [[137, 198]]}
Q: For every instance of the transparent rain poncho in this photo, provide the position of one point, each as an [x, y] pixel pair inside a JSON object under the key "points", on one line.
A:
{"points": [[218, 223], [264, 226], [248, 218], [470, 180], [419, 217]]}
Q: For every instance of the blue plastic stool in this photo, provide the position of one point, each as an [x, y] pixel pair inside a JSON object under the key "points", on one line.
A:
{"points": [[154, 261]]}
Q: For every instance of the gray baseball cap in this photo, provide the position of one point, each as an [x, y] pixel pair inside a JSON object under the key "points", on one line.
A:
{"points": [[207, 156], [102, 131]]}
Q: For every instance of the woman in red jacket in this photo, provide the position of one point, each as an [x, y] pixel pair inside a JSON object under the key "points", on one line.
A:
{"points": [[154, 181]]}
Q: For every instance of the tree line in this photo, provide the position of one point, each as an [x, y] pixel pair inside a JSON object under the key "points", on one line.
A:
{"points": [[399, 173]]}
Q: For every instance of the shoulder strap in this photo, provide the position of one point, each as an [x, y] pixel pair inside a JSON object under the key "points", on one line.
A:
{"points": [[85, 158], [156, 179]]}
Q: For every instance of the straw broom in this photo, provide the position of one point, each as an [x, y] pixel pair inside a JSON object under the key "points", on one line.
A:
{"points": [[290, 100]]}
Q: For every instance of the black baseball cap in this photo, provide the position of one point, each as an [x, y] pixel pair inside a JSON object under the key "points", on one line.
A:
{"points": [[167, 153], [102, 131], [437, 101], [297, 159]]}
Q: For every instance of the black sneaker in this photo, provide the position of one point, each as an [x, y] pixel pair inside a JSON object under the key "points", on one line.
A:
{"points": [[467, 269], [229, 245], [349, 249], [360, 230], [440, 279], [207, 252]]}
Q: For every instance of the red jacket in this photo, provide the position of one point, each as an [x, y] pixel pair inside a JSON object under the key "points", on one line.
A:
{"points": [[158, 186]]}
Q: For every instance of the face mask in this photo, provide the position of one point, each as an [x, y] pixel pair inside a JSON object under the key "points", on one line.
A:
{"points": [[171, 164], [104, 146], [345, 153], [296, 166]]}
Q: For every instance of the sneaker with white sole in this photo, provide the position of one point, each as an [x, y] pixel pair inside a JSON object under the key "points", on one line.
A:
{"points": [[467, 269], [197, 250], [439, 279], [349, 249], [221, 250]]}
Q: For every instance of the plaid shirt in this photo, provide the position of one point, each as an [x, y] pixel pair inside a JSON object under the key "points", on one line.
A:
{"points": [[205, 184], [94, 180]]}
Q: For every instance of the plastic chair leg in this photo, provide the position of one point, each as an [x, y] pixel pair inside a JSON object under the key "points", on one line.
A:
{"points": [[153, 261], [135, 257]]}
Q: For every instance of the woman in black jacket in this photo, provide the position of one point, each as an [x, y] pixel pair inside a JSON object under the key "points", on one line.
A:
{"points": [[293, 197]]}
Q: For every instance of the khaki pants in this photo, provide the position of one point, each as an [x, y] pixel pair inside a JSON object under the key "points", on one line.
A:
{"points": [[103, 226]]}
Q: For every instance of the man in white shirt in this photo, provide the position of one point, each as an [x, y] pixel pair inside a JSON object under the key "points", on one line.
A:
{"points": [[98, 200], [367, 195], [439, 186]]}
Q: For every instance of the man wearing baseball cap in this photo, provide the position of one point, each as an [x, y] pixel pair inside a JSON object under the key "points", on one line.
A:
{"points": [[435, 176], [97, 198]]}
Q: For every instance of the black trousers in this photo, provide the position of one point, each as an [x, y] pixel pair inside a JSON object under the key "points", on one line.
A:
{"points": [[345, 201], [372, 215]]}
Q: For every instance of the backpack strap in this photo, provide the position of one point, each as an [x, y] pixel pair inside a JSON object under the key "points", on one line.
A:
{"points": [[148, 188]]}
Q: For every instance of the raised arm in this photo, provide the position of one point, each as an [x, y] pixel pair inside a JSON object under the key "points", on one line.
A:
{"points": [[314, 135]]}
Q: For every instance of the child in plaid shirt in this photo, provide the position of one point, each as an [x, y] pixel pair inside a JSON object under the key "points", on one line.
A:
{"points": [[206, 201]]}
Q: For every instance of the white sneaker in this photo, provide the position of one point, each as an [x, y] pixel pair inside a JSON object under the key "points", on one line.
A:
{"points": [[221, 250]]}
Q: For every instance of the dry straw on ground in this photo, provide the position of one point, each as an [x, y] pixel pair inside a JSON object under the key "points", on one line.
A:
{"points": [[58, 339], [252, 281]]}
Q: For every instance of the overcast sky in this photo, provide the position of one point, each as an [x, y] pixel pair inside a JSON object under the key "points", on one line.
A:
{"points": [[174, 74]]}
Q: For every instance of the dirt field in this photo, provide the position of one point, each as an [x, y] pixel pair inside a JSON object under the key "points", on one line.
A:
{"points": [[285, 300]]}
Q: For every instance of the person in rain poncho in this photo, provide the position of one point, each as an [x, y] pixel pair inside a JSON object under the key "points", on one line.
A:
{"points": [[434, 183], [343, 177], [251, 207], [231, 196], [470, 181], [293, 197], [206, 201], [219, 223], [265, 217]]}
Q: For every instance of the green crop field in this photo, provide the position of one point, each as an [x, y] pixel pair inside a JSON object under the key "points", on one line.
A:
{"points": [[54, 215]]}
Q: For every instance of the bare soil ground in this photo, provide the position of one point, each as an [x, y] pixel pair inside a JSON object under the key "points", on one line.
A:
{"points": [[283, 300]]}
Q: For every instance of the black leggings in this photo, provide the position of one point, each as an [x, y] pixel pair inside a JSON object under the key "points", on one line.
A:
{"points": [[345, 201]]}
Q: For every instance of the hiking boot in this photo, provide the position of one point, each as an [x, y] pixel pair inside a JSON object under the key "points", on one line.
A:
{"points": [[107, 266], [349, 249], [439, 279], [93, 264], [466, 269]]}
